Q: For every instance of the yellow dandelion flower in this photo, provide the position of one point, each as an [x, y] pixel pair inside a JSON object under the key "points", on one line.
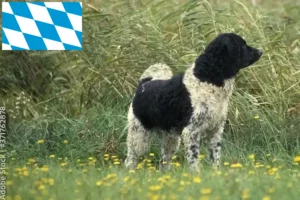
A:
{"points": [[92, 163], [271, 190], [131, 171], [106, 155], [177, 164], [123, 191], [33, 192], [117, 163], [41, 141], [251, 172], [132, 182], [204, 197], [90, 158], [17, 197], [45, 168], [111, 176], [266, 198], [236, 165], [31, 160], [52, 156], [272, 171], [70, 170], [174, 157], [226, 163], [51, 181], [201, 156], [41, 187], [114, 157], [197, 180], [151, 168], [25, 173], [161, 179], [66, 141], [258, 165], [37, 183], [297, 159], [79, 183], [63, 164], [245, 194], [155, 187], [140, 166], [256, 117], [151, 154], [98, 183], [206, 191], [126, 178], [251, 157], [182, 183], [268, 155]]}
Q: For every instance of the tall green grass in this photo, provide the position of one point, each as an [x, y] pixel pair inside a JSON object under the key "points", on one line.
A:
{"points": [[66, 107]]}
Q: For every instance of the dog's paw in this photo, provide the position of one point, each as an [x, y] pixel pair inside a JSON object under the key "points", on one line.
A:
{"points": [[130, 164], [194, 168], [164, 166]]}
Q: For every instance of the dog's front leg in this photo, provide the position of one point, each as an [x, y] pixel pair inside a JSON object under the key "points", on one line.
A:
{"points": [[214, 146], [191, 140]]}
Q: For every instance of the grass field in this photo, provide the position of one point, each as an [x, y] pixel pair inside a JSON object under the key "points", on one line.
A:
{"points": [[67, 110]]}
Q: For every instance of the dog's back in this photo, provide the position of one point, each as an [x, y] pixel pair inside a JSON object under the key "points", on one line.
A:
{"points": [[157, 71]]}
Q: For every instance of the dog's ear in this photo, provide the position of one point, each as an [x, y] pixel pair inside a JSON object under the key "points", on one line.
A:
{"points": [[230, 48]]}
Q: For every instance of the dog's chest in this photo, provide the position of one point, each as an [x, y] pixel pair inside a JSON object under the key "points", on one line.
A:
{"points": [[209, 103], [210, 111]]}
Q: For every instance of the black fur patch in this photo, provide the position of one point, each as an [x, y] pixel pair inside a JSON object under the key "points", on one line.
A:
{"points": [[211, 155], [144, 80], [223, 58], [163, 104]]}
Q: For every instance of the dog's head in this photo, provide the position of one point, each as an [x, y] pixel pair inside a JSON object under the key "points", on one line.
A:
{"points": [[224, 57]]}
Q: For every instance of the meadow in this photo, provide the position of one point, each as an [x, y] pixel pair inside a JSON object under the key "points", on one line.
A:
{"points": [[67, 110]]}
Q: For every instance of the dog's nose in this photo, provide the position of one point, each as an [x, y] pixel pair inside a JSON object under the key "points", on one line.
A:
{"points": [[260, 51]]}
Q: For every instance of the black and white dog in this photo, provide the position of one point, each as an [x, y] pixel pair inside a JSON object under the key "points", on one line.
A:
{"points": [[190, 105]]}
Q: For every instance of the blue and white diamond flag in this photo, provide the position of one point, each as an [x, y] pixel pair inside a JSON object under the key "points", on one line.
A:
{"points": [[41, 26]]}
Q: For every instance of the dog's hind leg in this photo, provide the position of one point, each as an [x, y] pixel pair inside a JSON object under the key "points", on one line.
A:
{"points": [[137, 141], [214, 147], [169, 146]]}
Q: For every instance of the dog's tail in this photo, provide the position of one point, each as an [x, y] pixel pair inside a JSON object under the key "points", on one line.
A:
{"points": [[157, 71]]}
